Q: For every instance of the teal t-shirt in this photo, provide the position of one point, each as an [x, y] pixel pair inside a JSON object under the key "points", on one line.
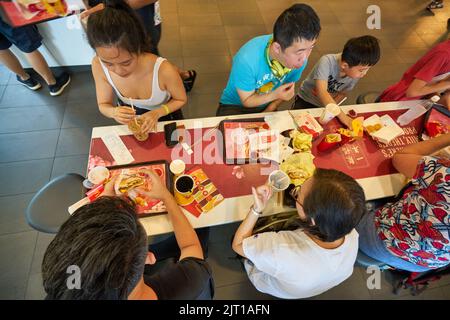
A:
{"points": [[250, 72]]}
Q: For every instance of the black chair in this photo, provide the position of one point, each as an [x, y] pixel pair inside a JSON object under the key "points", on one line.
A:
{"points": [[368, 97], [47, 211]]}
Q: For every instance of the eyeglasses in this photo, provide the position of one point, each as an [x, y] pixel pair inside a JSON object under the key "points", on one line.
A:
{"points": [[294, 193]]}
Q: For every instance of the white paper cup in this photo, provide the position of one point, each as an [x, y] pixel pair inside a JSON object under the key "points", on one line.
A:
{"points": [[329, 112], [279, 180], [177, 167], [98, 175]]}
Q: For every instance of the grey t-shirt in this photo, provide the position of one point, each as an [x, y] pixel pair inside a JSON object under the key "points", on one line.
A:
{"points": [[327, 68]]}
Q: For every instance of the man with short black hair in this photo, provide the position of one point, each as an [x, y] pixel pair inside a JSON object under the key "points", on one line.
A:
{"points": [[266, 68], [108, 243]]}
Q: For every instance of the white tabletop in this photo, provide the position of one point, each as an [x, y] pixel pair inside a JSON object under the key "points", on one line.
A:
{"points": [[235, 209]]}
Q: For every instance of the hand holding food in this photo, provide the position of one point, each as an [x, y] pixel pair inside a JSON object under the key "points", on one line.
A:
{"points": [[123, 115], [285, 92], [150, 119]]}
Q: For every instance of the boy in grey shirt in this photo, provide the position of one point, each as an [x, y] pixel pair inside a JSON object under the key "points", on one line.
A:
{"points": [[334, 75]]}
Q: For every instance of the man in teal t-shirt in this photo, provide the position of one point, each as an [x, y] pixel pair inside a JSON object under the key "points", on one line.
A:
{"points": [[266, 68]]}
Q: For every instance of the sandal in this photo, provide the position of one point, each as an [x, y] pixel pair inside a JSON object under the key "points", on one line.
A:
{"points": [[189, 82]]}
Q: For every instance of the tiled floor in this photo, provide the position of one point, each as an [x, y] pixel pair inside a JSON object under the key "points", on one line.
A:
{"points": [[42, 136]]}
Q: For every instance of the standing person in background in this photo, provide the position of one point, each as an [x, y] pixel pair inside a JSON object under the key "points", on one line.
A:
{"points": [[27, 39]]}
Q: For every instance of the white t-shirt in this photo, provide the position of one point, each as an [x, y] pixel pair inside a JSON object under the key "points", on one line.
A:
{"points": [[289, 265]]}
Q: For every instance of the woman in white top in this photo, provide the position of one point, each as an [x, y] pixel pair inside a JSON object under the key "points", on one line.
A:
{"points": [[319, 252], [144, 83]]}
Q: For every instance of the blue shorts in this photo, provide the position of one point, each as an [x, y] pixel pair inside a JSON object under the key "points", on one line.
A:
{"points": [[26, 38]]}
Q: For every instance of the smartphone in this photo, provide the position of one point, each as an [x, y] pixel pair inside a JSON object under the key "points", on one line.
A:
{"points": [[170, 134]]}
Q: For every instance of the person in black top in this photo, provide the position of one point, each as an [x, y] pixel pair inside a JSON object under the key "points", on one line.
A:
{"points": [[105, 246]]}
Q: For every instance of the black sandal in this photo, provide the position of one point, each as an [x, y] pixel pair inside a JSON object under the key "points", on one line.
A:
{"points": [[189, 82]]}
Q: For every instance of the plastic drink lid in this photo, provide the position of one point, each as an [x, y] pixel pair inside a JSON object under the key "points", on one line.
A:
{"points": [[333, 108], [177, 166], [98, 174]]}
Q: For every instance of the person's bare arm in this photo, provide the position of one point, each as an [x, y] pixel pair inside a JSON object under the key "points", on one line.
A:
{"points": [[105, 96], [261, 196], [103, 90], [323, 94], [185, 235], [251, 99], [273, 106], [419, 88], [406, 160], [170, 81]]}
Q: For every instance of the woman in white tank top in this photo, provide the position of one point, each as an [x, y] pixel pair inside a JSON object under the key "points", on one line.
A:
{"points": [[145, 84]]}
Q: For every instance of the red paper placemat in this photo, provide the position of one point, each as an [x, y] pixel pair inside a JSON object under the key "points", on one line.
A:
{"points": [[205, 195], [366, 158]]}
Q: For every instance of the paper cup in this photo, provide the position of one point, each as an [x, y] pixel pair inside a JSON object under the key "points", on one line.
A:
{"points": [[98, 175], [177, 167], [279, 180], [330, 111], [184, 185]]}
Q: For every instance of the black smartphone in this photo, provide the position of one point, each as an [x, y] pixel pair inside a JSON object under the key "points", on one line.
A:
{"points": [[170, 134]]}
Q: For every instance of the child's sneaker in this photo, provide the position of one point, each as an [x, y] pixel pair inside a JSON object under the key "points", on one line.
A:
{"points": [[30, 83], [61, 82]]}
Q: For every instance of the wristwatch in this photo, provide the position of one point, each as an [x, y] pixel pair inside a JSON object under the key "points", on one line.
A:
{"points": [[255, 212]]}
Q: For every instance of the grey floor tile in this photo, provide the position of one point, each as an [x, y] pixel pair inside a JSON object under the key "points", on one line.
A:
{"points": [[202, 105], [42, 242], [200, 19], [17, 95], [5, 74], [2, 90], [246, 32], [28, 145], [198, 48], [195, 7], [22, 119], [240, 291], [169, 48], [74, 141], [217, 65], [226, 269], [352, 288], [70, 164], [201, 33], [237, 5], [82, 87], [12, 213], [24, 176], [223, 233], [84, 113], [210, 83], [446, 291], [35, 288], [242, 18], [16, 251]]}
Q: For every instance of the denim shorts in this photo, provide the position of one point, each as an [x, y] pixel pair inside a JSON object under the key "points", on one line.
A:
{"points": [[26, 38], [371, 244]]}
